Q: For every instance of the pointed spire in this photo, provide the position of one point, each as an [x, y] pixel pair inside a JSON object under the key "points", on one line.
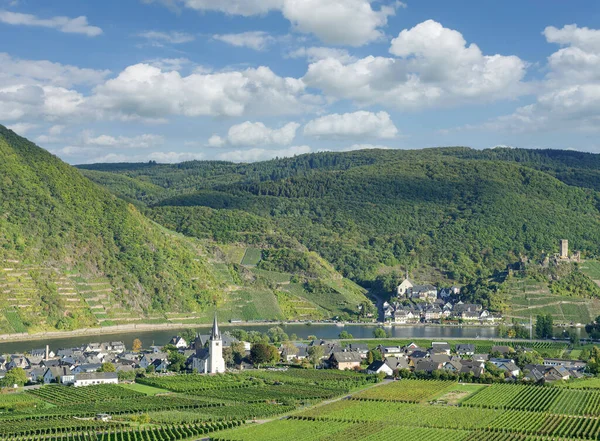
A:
{"points": [[215, 335]]}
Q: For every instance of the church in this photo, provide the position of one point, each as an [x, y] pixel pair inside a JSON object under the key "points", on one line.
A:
{"points": [[209, 360]]}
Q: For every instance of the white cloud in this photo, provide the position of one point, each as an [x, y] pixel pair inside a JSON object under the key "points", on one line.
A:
{"points": [[258, 154], [170, 64], [136, 142], [435, 68], [257, 40], [357, 124], [53, 135], [313, 54], [15, 71], [351, 22], [569, 97], [216, 141], [22, 128], [146, 91], [78, 25], [251, 134], [172, 37]]}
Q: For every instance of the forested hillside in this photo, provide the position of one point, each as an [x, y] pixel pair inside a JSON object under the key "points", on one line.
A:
{"points": [[463, 212], [75, 255]]}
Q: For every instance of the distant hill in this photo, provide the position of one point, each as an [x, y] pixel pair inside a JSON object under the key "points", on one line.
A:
{"points": [[73, 255], [463, 211], [448, 215]]}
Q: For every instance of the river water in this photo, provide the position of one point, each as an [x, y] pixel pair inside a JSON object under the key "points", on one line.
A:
{"points": [[162, 337]]}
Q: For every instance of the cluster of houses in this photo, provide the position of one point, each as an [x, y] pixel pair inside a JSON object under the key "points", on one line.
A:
{"points": [[439, 357], [424, 303], [82, 366], [77, 366]]}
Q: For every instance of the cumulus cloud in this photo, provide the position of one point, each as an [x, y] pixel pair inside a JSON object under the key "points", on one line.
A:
{"points": [[569, 97], [313, 54], [351, 22], [433, 67], [53, 135], [22, 128], [152, 92], [15, 70], [259, 154], [255, 133], [136, 142], [146, 91], [172, 37], [78, 25], [257, 40], [357, 124]]}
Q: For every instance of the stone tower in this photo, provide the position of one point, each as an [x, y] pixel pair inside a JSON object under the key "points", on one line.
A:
{"points": [[564, 249], [216, 363]]}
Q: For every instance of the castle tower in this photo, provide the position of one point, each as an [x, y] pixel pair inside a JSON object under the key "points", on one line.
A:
{"points": [[564, 249], [216, 363]]}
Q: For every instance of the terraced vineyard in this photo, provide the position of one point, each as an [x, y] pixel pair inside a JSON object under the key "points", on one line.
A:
{"points": [[528, 297]]}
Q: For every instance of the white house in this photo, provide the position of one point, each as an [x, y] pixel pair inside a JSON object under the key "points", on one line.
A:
{"points": [[404, 288], [92, 378], [179, 342], [378, 367]]}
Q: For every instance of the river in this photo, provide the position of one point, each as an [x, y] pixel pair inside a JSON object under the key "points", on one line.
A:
{"points": [[162, 337]]}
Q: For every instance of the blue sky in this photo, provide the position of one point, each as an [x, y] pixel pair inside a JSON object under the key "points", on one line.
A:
{"points": [[247, 80]]}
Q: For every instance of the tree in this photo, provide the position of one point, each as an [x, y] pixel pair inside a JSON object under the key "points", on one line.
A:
{"points": [[379, 333], [366, 309], [290, 348], [312, 337], [315, 354], [188, 335], [238, 351], [262, 353], [14, 376], [176, 361], [345, 335], [544, 325], [228, 356], [277, 334], [573, 337], [137, 345], [107, 367]]}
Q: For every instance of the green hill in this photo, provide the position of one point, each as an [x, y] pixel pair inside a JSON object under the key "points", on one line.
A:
{"points": [[363, 211], [73, 255], [450, 215]]}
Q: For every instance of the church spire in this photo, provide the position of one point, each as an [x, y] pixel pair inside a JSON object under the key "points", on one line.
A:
{"points": [[215, 334]]}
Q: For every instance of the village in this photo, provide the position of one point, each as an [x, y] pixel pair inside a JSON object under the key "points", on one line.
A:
{"points": [[414, 303], [112, 362]]}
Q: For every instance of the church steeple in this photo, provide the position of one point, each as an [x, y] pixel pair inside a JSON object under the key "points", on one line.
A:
{"points": [[215, 334]]}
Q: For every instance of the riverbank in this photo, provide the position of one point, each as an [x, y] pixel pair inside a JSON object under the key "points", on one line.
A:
{"points": [[147, 327]]}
